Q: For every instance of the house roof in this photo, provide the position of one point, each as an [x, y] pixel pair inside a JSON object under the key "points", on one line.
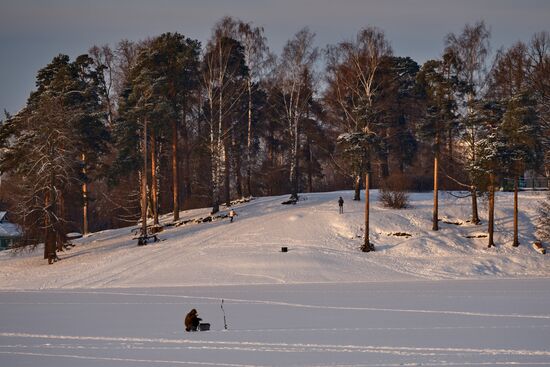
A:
{"points": [[10, 230], [7, 229]]}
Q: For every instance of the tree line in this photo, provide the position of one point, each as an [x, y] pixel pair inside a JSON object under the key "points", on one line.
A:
{"points": [[151, 127]]}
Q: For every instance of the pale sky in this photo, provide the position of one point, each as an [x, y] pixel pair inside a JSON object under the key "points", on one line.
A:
{"points": [[32, 32]]}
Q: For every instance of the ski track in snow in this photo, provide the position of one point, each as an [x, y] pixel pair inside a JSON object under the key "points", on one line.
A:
{"points": [[284, 347], [301, 305]]}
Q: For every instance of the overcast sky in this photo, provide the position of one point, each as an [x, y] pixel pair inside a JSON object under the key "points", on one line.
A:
{"points": [[32, 32]]}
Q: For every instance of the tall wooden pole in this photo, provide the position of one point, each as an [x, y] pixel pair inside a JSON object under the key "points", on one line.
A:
{"points": [[367, 246], [154, 178], [175, 173], [516, 189], [144, 183], [491, 220], [435, 219]]}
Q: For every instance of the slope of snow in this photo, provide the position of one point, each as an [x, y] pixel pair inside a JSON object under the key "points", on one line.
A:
{"points": [[323, 247]]}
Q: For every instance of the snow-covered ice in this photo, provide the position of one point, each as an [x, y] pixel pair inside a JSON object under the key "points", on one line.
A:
{"points": [[431, 299]]}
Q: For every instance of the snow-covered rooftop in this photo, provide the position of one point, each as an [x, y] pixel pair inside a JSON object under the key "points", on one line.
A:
{"points": [[7, 229]]}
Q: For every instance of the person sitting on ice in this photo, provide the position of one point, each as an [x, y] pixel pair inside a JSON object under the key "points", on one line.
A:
{"points": [[232, 214], [192, 321]]}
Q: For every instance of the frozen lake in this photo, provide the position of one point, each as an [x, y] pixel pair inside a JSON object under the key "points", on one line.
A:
{"points": [[428, 323]]}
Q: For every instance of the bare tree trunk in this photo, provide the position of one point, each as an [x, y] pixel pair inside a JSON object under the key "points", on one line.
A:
{"points": [[237, 164], [491, 219], [516, 189], [60, 225], [294, 163], [435, 218], [144, 183], [154, 179], [473, 189], [249, 141], [51, 203], [309, 167], [227, 174], [175, 173], [367, 246], [84, 198], [357, 187], [475, 218], [47, 230]]}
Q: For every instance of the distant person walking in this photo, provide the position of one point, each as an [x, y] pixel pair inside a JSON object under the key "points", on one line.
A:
{"points": [[341, 205], [232, 214]]}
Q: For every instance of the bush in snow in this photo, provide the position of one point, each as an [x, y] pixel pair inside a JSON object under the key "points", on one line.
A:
{"points": [[393, 192]]}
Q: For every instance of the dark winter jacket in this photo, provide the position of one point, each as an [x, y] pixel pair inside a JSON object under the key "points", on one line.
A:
{"points": [[192, 321]]}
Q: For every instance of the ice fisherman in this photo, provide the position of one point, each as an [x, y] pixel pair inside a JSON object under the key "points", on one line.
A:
{"points": [[341, 205], [232, 214], [192, 320]]}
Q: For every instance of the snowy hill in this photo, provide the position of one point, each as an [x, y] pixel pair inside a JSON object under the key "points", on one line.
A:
{"points": [[323, 247]]}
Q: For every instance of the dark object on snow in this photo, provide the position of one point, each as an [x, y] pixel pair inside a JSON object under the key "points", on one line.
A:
{"points": [[400, 234], [291, 201], [537, 245], [476, 236], [143, 240], [341, 205], [52, 258], [204, 326], [284, 249], [156, 229], [192, 321]]}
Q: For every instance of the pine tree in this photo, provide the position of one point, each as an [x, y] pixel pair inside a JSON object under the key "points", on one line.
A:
{"points": [[44, 143], [439, 87], [521, 128]]}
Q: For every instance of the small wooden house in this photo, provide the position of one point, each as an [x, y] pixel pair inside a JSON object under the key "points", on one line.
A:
{"points": [[9, 232]]}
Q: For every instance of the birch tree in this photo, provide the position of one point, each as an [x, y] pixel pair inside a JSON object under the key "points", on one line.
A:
{"points": [[352, 67], [471, 49], [295, 68], [223, 73]]}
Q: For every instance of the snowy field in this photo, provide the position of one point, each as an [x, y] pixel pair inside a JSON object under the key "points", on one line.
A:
{"points": [[430, 299], [427, 323]]}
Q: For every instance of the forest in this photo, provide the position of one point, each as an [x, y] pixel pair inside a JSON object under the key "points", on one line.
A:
{"points": [[144, 128]]}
